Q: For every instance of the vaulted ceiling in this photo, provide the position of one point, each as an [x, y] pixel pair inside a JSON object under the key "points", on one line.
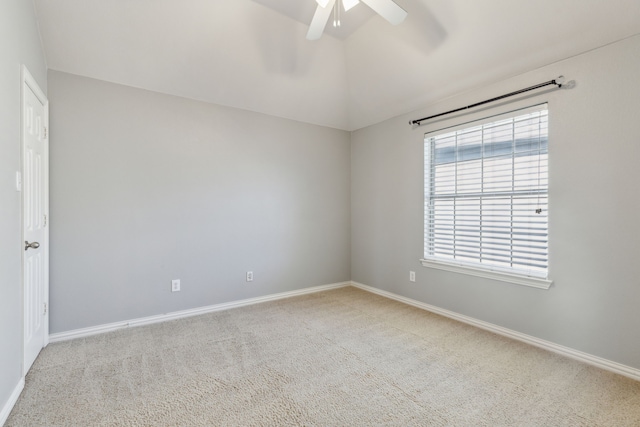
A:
{"points": [[253, 54]]}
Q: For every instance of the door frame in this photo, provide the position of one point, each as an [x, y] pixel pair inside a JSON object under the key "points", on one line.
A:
{"points": [[29, 83]]}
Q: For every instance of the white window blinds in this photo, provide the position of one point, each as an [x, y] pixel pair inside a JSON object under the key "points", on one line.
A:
{"points": [[486, 186]]}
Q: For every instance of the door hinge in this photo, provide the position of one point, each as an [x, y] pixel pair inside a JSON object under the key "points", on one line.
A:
{"points": [[45, 308]]}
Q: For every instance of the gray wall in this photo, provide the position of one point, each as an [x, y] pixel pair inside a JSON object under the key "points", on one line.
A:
{"points": [[594, 209], [19, 44], [147, 187]]}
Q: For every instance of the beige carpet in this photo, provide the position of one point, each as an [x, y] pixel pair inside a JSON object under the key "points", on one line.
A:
{"points": [[338, 358]]}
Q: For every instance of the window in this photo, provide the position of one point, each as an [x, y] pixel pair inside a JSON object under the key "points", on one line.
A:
{"points": [[486, 198]]}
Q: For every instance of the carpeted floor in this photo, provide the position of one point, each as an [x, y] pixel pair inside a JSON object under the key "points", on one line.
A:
{"points": [[338, 358]]}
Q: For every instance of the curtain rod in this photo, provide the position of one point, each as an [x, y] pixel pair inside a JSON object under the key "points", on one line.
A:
{"points": [[558, 82]]}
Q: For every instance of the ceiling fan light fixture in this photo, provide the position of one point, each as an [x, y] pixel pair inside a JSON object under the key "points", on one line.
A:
{"points": [[388, 9], [348, 4]]}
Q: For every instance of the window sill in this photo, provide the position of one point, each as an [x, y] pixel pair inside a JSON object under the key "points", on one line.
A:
{"points": [[534, 282]]}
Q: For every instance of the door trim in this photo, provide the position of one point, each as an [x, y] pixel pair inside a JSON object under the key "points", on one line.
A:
{"points": [[28, 82]]}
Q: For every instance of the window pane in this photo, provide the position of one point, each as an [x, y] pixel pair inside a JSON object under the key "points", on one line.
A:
{"points": [[486, 194]]}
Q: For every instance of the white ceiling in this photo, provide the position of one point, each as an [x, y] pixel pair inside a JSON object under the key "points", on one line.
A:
{"points": [[252, 54]]}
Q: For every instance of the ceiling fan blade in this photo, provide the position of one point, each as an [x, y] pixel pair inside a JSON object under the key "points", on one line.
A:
{"points": [[348, 4], [388, 10], [319, 20]]}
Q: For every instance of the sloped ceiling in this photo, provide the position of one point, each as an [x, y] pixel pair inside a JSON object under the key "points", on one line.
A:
{"points": [[253, 54]]}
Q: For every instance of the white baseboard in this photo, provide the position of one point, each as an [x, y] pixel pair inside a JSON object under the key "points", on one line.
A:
{"points": [[599, 362], [99, 329], [6, 410]]}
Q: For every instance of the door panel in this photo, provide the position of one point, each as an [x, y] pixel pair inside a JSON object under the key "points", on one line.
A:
{"points": [[34, 210]]}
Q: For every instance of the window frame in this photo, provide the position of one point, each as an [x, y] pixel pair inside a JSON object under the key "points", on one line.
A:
{"points": [[473, 269]]}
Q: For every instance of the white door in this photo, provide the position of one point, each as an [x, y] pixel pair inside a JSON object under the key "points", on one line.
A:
{"points": [[35, 212]]}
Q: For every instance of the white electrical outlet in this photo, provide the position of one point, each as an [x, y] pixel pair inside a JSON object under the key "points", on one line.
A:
{"points": [[249, 276], [175, 285], [412, 276]]}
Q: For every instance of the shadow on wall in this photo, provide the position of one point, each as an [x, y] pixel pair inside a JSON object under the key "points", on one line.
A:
{"points": [[284, 49], [421, 30]]}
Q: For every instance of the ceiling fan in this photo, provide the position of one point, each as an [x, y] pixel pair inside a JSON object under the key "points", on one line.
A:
{"points": [[388, 9]]}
